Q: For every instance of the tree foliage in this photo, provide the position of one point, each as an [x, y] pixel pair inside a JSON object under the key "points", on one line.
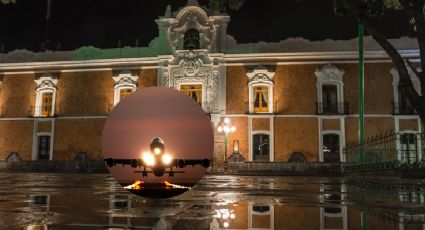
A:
{"points": [[415, 9], [222, 5], [7, 1]]}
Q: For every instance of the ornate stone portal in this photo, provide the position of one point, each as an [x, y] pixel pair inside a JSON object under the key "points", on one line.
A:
{"points": [[194, 66]]}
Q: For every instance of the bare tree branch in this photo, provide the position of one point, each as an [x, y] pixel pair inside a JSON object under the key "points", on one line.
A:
{"points": [[405, 82], [418, 75]]}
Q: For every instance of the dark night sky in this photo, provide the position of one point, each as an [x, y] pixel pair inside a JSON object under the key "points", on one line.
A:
{"points": [[102, 23]]}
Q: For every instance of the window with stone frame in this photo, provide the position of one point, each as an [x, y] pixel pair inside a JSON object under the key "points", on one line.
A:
{"points": [[194, 91], [125, 84], [409, 149], [46, 109], [45, 95], [261, 98], [124, 92], [260, 90]]}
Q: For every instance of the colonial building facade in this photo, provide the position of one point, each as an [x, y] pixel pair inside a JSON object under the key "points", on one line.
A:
{"points": [[287, 100]]}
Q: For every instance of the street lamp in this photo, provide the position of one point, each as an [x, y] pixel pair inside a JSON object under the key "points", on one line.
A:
{"points": [[226, 128]]}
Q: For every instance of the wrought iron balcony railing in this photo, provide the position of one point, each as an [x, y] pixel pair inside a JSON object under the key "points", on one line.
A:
{"points": [[403, 109], [255, 108], [339, 108], [42, 111]]}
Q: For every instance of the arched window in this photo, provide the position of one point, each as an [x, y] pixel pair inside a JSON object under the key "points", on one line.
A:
{"points": [[45, 95], [191, 39], [330, 91], [401, 104], [260, 85], [125, 84]]}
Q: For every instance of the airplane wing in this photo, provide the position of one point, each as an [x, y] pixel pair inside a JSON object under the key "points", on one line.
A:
{"points": [[132, 162], [182, 163]]}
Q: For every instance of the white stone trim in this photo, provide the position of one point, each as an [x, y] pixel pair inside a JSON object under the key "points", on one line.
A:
{"points": [[320, 128], [271, 147], [344, 209], [252, 212], [398, 144], [397, 132], [46, 83], [35, 143], [250, 138], [124, 80], [341, 144], [330, 75], [396, 80], [271, 137], [342, 138], [261, 77], [232, 115], [340, 133], [46, 207]]}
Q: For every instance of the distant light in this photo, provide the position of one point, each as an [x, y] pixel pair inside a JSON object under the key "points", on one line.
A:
{"points": [[226, 120], [226, 129], [148, 159], [232, 216], [166, 159], [220, 129], [157, 151], [226, 215], [226, 224], [233, 128]]}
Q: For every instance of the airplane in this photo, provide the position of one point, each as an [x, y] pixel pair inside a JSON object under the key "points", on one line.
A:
{"points": [[158, 161]]}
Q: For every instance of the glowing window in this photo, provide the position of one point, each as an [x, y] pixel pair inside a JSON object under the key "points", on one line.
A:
{"points": [[125, 92], [261, 99], [193, 91], [46, 104]]}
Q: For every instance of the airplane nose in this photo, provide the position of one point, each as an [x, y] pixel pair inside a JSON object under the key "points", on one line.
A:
{"points": [[181, 163], [109, 162], [206, 163], [134, 163]]}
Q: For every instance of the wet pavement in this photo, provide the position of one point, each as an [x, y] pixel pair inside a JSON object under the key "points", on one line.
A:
{"points": [[36, 201]]}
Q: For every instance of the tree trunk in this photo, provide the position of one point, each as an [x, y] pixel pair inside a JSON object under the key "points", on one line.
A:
{"points": [[405, 82]]}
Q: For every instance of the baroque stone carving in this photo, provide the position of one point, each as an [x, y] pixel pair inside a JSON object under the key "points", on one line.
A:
{"points": [[125, 77], [191, 17], [194, 67], [329, 72], [260, 74], [46, 80]]}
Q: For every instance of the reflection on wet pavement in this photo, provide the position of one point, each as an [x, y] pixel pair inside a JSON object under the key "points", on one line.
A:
{"points": [[95, 201]]}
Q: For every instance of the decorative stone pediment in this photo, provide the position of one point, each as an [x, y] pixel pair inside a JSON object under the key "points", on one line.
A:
{"points": [[46, 81], [329, 72], [191, 63], [125, 77], [191, 17], [260, 74], [193, 67], [396, 76]]}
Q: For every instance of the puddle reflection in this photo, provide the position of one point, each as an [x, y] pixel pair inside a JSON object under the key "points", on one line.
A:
{"points": [[74, 201]]}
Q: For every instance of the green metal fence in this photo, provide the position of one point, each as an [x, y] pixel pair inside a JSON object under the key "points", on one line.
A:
{"points": [[386, 151]]}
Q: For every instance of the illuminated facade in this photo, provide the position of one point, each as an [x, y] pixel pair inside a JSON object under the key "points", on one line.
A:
{"points": [[286, 98]]}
